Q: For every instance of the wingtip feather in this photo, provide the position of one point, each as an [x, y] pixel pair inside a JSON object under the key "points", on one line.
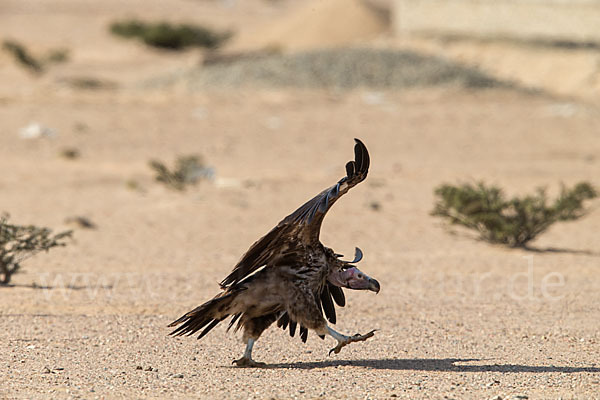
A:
{"points": [[361, 156]]}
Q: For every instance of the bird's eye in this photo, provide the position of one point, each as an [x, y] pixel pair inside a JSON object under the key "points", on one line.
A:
{"points": [[359, 276]]}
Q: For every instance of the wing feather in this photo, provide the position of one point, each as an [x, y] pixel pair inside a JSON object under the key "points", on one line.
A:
{"points": [[338, 295], [327, 304], [303, 334], [292, 328], [302, 227]]}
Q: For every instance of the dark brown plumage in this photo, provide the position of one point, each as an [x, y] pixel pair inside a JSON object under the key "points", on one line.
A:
{"points": [[288, 276]]}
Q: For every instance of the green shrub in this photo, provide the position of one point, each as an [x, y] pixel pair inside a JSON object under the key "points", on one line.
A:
{"points": [[169, 36], [188, 170], [511, 222], [18, 243]]}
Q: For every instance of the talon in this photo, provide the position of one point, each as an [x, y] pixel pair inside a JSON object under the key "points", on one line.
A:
{"points": [[356, 338], [248, 362]]}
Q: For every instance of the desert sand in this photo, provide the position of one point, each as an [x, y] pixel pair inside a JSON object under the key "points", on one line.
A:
{"points": [[456, 317]]}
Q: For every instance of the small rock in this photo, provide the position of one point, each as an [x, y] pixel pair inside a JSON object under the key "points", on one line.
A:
{"points": [[59, 369], [520, 397], [47, 371], [139, 367], [69, 153], [148, 369], [375, 205], [177, 375], [35, 130]]}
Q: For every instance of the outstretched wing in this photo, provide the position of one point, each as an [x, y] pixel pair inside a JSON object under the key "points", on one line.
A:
{"points": [[302, 227], [310, 215]]}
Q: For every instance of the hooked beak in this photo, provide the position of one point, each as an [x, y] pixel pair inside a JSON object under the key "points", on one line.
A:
{"points": [[374, 285]]}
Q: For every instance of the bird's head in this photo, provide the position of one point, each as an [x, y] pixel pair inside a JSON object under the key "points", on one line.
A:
{"points": [[344, 274]]}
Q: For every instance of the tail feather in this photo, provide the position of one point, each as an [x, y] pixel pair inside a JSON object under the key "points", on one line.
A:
{"points": [[206, 316]]}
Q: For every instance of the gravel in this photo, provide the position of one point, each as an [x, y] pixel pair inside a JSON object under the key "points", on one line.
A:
{"points": [[347, 68]]}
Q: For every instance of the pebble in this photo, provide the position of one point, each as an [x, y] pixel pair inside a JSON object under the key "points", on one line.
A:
{"points": [[375, 205], [177, 376], [36, 130]]}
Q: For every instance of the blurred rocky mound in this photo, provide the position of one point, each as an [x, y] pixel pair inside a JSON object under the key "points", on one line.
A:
{"points": [[324, 44], [344, 68]]}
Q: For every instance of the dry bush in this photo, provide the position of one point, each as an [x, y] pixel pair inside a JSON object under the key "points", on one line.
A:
{"points": [[23, 56], [188, 171], [512, 222], [18, 243], [169, 36]]}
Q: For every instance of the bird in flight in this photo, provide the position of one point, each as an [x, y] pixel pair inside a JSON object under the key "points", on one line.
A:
{"points": [[289, 276]]}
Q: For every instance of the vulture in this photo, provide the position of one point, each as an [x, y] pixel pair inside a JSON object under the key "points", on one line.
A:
{"points": [[289, 276]]}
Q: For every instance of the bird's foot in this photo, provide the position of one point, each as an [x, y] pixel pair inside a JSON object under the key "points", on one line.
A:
{"points": [[350, 339], [248, 363]]}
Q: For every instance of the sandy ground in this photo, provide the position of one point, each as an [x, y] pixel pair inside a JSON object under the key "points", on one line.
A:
{"points": [[457, 318]]}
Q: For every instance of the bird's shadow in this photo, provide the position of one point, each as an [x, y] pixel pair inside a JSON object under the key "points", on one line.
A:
{"points": [[425, 364]]}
